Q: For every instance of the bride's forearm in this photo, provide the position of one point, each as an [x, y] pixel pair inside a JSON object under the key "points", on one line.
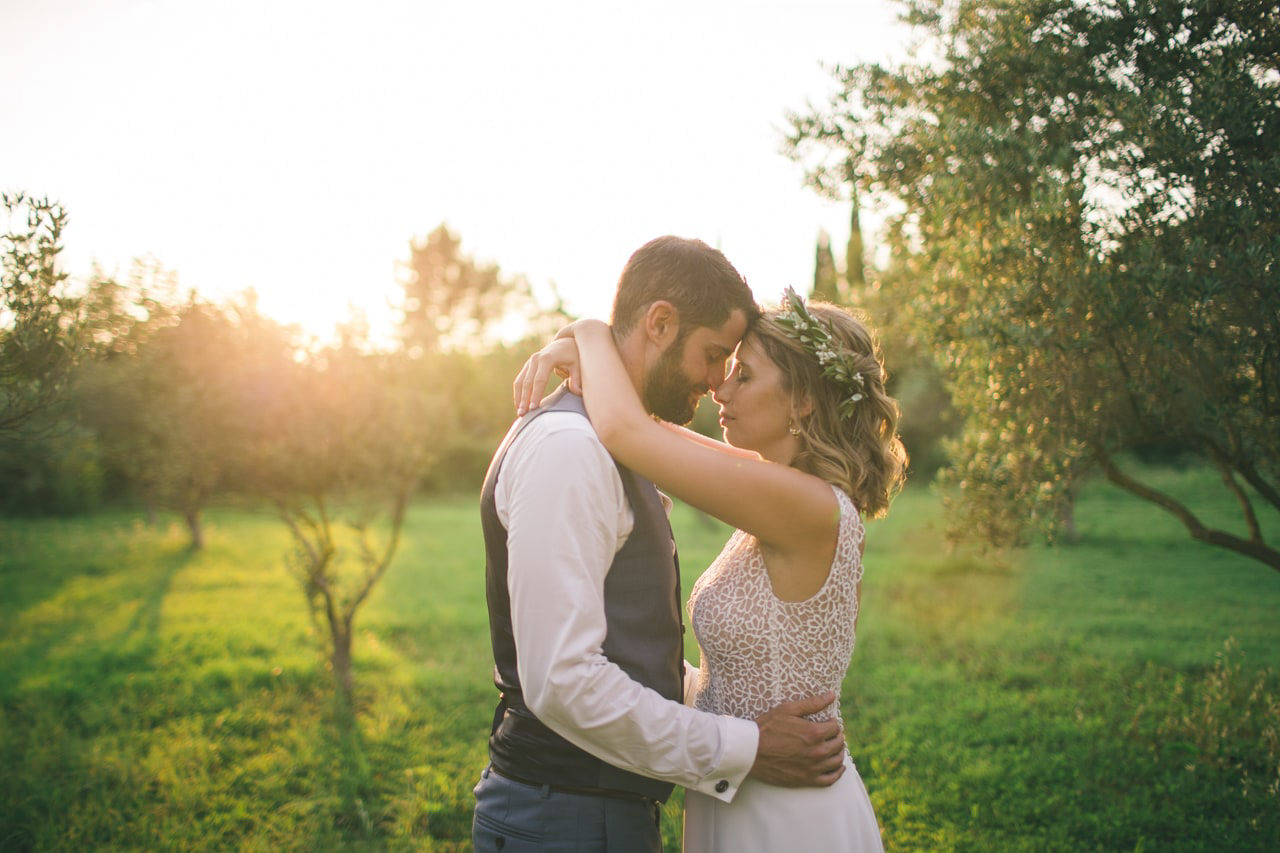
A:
{"points": [[615, 407], [715, 444], [612, 401]]}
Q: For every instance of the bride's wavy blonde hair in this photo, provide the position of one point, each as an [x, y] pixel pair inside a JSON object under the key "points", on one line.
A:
{"points": [[862, 453]]}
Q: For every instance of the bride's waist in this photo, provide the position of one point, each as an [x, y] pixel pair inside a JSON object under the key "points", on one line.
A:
{"points": [[715, 699]]}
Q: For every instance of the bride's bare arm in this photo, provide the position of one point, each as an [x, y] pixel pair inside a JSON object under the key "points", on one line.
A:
{"points": [[561, 358], [699, 438], [785, 508]]}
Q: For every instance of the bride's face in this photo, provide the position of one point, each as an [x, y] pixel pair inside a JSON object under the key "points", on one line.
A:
{"points": [[755, 408]]}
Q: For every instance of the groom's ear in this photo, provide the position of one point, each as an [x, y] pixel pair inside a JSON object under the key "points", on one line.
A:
{"points": [[661, 323]]}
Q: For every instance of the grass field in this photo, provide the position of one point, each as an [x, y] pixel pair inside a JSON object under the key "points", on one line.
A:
{"points": [[1119, 694]]}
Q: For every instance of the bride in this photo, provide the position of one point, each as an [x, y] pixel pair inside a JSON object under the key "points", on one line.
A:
{"points": [[812, 448]]}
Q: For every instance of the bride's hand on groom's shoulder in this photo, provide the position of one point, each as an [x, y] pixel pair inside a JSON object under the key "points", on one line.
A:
{"points": [[559, 357]]}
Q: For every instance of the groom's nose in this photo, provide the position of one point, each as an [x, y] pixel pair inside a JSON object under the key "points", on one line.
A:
{"points": [[715, 376]]}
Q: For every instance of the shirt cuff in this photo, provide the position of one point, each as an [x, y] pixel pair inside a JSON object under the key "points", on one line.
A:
{"points": [[739, 740]]}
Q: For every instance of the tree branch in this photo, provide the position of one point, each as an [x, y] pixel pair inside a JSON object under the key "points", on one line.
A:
{"points": [[1254, 550], [381, 563], [1229, 480], [1253, 478], [283, 510], [1245, 467]]}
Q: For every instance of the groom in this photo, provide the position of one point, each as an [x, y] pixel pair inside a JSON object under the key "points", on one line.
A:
{"points": [[590, 734]]}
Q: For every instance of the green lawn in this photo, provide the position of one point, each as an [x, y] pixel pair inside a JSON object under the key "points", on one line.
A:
{"points": [[1119, 694]]}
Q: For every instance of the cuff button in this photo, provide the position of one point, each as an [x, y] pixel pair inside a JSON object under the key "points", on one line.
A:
{"points": [[722, 786]]}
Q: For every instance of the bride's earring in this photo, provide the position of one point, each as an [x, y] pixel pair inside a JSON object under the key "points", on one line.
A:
{"points": [[792, 428]]}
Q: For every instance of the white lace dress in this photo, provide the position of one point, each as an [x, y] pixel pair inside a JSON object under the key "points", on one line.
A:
{"points": [[757, 651]]}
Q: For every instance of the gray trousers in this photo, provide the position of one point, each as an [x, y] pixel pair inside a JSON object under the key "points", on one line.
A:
{"points": [[512, 817]]}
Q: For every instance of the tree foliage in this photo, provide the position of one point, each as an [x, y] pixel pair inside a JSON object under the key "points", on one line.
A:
{"points": [[913, 376], [1090, 227], [184, 402], [169, 405], [56, 457], [337, 444], [41, 330], [453, 301], [915, 379]]}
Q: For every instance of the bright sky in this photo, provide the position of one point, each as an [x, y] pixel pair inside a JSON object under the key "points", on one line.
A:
{"points": [[296, 147]]}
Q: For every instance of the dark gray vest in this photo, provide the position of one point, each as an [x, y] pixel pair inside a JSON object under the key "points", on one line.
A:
{"points": [[644, 632]]}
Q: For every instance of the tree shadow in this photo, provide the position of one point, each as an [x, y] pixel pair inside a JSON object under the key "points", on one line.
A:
{"points": [[1121, 542], [354, 794], [32, 574], [35, 648], [146, 619]]}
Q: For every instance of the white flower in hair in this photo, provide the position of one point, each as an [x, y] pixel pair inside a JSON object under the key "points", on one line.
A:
{"points": [[812, 335]]}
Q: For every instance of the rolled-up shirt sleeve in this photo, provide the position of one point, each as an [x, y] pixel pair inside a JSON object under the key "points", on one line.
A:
{"points": [[561, 500]]}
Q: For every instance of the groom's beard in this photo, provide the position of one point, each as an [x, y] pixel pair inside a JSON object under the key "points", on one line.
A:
{"points": [[668, 393]]}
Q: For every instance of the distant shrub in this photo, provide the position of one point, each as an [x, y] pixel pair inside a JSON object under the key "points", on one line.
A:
{"points": [[1225, 721], [460, 464], [56, 472]]}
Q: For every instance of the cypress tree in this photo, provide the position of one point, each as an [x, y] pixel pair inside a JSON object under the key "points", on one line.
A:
{"points": [[855, 262], [825, 282]]}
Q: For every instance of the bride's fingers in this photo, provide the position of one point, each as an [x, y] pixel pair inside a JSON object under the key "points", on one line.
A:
{"points": [[536, 373], [563, 373], [517, 389], [537, 381], [527, 393], [533, 377]]}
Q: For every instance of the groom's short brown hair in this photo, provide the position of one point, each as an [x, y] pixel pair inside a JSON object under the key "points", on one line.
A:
{"points": [[697, 279]]}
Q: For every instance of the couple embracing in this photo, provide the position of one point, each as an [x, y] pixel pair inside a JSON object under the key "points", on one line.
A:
{"points": [[599, 715]]}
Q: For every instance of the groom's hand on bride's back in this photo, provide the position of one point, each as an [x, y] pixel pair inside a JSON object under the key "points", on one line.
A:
{"points": [[795, 752]]}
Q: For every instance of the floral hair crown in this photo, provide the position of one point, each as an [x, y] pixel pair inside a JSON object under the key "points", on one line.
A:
{"points": [[837, 363]]}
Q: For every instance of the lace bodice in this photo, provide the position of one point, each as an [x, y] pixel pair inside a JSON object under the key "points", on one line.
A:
{"points": [[758, 650]]}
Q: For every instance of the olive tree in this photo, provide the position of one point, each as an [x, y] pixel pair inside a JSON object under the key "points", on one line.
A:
{"points": [[338, 444], [454, 301], [41, 330], [1085, 197], [168, 406]]}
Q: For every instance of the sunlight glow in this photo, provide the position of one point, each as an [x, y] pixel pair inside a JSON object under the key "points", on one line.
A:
{"points": [[296, 148]]}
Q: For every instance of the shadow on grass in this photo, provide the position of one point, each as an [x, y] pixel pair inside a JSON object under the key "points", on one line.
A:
{"points": [[62, 686], [47, 635], [355, 788], [147, 617], [34, 570]]}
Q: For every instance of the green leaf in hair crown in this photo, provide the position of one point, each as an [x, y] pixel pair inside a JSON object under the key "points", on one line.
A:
{"points": [[837, 363]]}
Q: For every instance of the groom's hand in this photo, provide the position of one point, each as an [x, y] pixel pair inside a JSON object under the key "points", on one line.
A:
{"points": [[795, 752]]}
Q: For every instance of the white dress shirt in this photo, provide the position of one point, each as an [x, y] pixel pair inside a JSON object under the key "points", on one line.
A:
{"points": [[561, 500]]}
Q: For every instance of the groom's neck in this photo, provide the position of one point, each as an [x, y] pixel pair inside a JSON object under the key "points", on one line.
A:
{"points": [[634, 349]]}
